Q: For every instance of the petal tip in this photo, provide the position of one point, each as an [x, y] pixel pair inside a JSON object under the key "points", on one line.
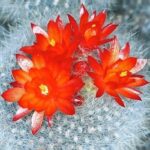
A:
{"points": [[34, 131]]}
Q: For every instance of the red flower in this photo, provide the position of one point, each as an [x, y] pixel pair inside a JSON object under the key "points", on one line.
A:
{"points": [[91, 33], [44, 88], [56, 44], [116, 73]]}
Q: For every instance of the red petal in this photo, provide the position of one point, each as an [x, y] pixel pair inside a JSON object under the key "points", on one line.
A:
{"points": [[104, 41], [21, 112], [100, 92], [54, 32], [75, 83], [21, 76], [24, 62], [137, 82], [16, 84], [25, 99], [50, 121], [124, 53], [139, 65], [65, 106], [41, 42], [126, 64], [59, 21], [28, 49], [113, 93], [13, 94], [73, 23], [78, 100], [37, 30], [105, 57], [93, 16], [37, 120], [107, 30], [38, 61], [119, 101], [98, 80], [95, 65], [129, 93], [51, 108], [114, 50], [83, 17], [71, 88], [100, 18]]}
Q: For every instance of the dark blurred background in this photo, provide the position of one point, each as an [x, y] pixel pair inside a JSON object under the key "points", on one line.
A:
{"points": [[136, 13]]}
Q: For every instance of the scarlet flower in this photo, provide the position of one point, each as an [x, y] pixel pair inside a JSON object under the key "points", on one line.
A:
{"points": [[91, 32], [43, 88], [116, 75], [57, 43]]}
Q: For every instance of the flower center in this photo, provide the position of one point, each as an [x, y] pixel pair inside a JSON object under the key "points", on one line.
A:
{"points": [[44, 89], [90, 32], [93, 25], [52, 42], [123, 74]]}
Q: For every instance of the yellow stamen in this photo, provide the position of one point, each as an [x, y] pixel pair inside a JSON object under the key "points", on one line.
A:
{"points": [[123, 74], [52, 42], [44, 89], [89, 33], [93, 25]]}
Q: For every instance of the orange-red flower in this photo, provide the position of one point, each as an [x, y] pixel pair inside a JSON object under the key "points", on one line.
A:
{"points": [[57, 44], [43, 88], [91, 32], [116, 75]]}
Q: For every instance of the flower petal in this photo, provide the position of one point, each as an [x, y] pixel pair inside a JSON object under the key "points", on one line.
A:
{"points": [[92, 16], [119, 101], [16, 84], [41, 43], [78, 100], [124, 53], [65, 106], [98, 80], [139, 65], [25, 99], [83, 10], [100, 92], [114, 94], [28, 49], [107, 30], [37, 120], [83, 17], [13, 94], [51, 108], [71, 88], [24, 62], [125, 65], [54, 31], [137, 81], [36, 29], [50, 121], [95, 65], [114, 50], [21, 112], [73, 23], [129, 93], [21, 76], [100, 18], [38, 61]]}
